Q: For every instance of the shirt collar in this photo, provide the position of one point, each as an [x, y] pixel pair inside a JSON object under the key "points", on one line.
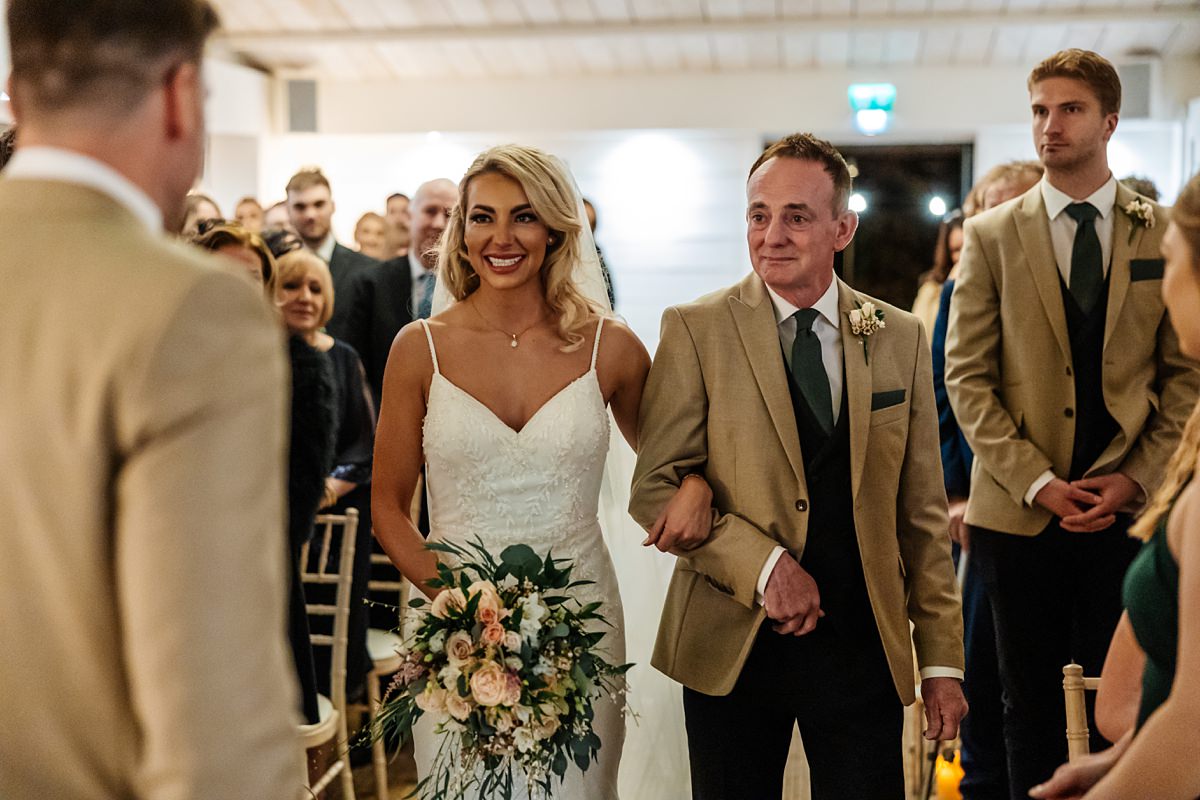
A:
{"points": [[416, 268], [1056, 200], [826, 305], [325, 249], [68, 166]]}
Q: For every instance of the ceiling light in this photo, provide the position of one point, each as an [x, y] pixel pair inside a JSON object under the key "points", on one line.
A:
{"points": [[937, 206]]}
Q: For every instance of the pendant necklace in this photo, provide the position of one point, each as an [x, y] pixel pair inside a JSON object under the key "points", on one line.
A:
{"points": [[514, 336]]}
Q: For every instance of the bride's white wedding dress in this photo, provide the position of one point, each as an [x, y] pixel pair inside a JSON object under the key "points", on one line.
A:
{"points": [[537, 486]]}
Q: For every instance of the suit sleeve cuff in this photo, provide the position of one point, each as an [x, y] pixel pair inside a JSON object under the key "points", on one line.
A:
{"points": [[1037, 486], [760, 589], [941, 672]]}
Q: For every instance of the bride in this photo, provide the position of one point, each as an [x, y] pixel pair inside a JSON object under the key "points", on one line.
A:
{"points": [[504, 397]]}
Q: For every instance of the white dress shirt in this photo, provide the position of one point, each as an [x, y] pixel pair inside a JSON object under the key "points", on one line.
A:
{"points": [[1062, 237], [827, 327], [67, 166], [325, 249]]}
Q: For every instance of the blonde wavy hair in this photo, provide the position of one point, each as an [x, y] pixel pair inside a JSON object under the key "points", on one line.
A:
{"points": [[552, 195], [1182, 466]]}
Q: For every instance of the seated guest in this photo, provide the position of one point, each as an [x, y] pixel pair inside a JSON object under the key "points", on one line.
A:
{"points": [[1160, 627], [200, 208], [305, 296], [371, 236], [245, 248], [249, 214]]}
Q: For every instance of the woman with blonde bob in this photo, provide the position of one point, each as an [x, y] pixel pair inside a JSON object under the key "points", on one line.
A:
{"points": [[1152, 673], [504, 394]]}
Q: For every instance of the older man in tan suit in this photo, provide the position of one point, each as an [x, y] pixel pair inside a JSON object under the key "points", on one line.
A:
{"points": [[142, 647], [815, 426], [1067, 380]]}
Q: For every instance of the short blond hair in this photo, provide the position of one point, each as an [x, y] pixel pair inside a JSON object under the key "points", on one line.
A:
{"points": [[1087, 67], [307, 178], [295, 264], [552, 194]]}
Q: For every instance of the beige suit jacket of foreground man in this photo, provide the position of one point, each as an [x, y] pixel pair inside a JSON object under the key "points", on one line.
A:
{"points": [[142, 578], [717, 403]]}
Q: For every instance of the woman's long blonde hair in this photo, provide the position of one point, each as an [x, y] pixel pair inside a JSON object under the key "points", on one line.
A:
{"points": [[1182, 466], [552, 195]]}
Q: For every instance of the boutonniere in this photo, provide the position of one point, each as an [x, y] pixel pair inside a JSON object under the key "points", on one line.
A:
{"points": [[864, 321], [1140, 213]]}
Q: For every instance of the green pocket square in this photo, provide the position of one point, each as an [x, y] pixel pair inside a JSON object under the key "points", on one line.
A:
{"points": [[886, 399], [1146, 269]]}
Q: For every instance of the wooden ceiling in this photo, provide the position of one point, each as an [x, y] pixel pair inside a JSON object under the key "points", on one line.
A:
{"points": [[464, 39]]}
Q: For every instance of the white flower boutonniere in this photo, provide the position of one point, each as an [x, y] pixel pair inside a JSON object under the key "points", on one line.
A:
{"points": [[864, 321], [1140, 213]]}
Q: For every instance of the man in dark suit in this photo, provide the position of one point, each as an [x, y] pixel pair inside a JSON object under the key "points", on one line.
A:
{"points": [[1068, 383], [388, 296], [310, 208]]}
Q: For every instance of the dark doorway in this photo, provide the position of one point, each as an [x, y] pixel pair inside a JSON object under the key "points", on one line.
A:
{"points": [[897, 231]]}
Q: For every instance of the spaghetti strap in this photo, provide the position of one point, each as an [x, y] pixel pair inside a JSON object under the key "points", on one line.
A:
{"points": [[595, 345], [433, 351]]}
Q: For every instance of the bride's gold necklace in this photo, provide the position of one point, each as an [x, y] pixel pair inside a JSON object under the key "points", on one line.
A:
{"points": [[494, 327]]}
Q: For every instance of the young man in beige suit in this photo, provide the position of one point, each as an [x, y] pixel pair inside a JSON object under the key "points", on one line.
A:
{"points": [[819, 440], [1067, 381], [142, 647]]}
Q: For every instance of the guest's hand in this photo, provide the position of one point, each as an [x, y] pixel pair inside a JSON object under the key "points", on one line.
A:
{"points": [[1064, 499], [945, 707], [686, 520], [1073, 780], [1116, 491], [960, 534], [792, 598]]}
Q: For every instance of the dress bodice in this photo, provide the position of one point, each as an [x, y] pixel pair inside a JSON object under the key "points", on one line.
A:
{"points": [[1151, 594], [538, 486]]}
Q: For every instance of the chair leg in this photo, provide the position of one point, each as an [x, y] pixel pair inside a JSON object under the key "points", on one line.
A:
{"points": [[378, 753], [347, 774]]}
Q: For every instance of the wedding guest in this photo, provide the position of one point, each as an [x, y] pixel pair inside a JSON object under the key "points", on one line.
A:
{"points": [[249, 214], [590, 210], [1158, 632], [1071, 390], [244, 248], [8, 140], [143, 578], [200, 208], [398, 211], [1002, 182], [305, 295], [945, 258], [310, 207], [1142, 185], [277, 217], [828, 556], [387, 297], [371, 236]]}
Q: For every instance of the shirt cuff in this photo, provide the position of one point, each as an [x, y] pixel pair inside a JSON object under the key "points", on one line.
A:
{"points": [[941, 672], [760, 589], [1037, 486]]}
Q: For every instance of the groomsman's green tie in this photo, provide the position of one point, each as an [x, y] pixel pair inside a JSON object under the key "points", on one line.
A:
{"points": [[1087, 259], [808, 369]]}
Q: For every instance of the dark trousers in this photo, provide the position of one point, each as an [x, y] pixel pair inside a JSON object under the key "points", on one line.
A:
{"points": [[1056, 598], [840, 694], [984, 758]]}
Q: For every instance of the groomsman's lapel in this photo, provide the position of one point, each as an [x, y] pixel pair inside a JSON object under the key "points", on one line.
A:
{"points": [[754, 315], [858, 382], [1123, 248], [1033, 228]]}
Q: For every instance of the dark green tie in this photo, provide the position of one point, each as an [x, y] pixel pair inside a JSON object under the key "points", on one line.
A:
{"points": [[1087, 259], [808, 369]]}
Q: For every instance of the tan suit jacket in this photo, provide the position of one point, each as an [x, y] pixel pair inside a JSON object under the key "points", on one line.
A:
{"points": [[142, 642], [717, 403], [1009, 367]]}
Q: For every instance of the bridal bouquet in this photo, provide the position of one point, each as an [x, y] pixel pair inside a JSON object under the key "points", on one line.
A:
{"points": [[508, 663]]}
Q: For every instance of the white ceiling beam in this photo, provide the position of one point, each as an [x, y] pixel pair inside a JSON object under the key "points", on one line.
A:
{"points": [[666, 27]]}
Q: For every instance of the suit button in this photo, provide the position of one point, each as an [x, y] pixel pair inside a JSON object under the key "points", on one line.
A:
{"points": [[1068, 413], [801, 506]]}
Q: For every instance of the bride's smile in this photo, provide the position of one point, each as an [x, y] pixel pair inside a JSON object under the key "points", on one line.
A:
{"points": [[506, 241]]}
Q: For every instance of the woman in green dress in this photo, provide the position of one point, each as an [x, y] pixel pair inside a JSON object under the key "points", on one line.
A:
{"points": [[1158, 728]]}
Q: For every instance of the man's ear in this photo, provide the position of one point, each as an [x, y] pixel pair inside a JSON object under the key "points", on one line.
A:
{"points": [[847, 224], [183, 101]]}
